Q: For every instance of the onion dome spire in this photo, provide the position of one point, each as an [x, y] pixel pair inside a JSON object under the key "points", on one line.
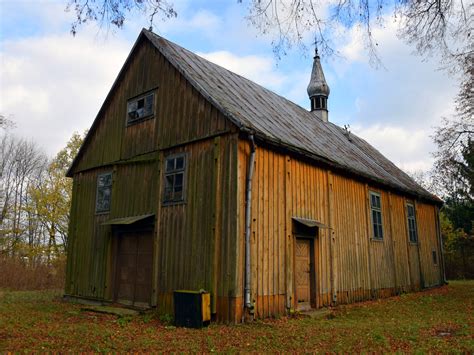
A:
{"points": [[318, 89]]}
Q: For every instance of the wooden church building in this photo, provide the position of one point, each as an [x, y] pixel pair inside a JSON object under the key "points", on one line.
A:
{"points": [[193, 177]]}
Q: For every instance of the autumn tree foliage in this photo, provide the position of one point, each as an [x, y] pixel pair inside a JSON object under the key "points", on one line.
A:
{"points": [[35, 198]]}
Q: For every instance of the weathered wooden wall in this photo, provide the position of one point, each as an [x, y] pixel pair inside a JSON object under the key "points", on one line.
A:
{"points": [[428, 242], [200, 243], [181, 113], [350, 264], [195, 242], [89, 257]]}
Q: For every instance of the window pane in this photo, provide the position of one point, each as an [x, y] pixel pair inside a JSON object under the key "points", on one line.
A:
{"points": [[372, 200], [104, 180], [174, 178], [103, 199], [375, 231], [380, 231], [178, 180], [170, 164], [149, 104], [168, 193], [178, 195], [179, 163], [132, 106]]}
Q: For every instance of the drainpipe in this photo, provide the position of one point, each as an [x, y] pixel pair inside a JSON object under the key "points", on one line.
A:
{"points": [[248, 210]]}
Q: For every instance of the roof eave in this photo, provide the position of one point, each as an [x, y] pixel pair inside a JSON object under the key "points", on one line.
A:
{"points": [[366, 177]]}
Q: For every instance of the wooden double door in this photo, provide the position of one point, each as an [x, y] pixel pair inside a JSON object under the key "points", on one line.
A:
{"points": [[133, 268], [304, 273]]}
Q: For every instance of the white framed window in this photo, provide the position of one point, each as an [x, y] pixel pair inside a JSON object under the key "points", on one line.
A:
{"points": [[174, 178], [140, 108], [376, 215], [103, 193], [411, 221]]}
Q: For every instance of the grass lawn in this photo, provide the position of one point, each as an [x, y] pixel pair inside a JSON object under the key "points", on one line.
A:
{"points": [[439, 320]]}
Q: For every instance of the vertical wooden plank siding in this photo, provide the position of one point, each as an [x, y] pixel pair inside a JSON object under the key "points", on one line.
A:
{"points": [[199, 244], [428, 242], [89, 264], [286, 187], [195, 243], [181, 113], [400, 243], [198, 239], [349, 212]]}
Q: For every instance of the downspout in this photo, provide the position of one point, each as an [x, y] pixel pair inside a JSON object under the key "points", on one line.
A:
{"points": [[248, 212]]}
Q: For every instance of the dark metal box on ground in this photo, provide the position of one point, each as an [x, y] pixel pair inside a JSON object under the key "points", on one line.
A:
{"points": [[192, 308]]}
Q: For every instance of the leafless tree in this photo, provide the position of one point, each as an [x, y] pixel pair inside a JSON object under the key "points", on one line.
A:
{"points": [[21, 163], [114, 12]]}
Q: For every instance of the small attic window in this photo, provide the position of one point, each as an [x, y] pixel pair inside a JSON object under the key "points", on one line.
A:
{"points": [[140, 108]]}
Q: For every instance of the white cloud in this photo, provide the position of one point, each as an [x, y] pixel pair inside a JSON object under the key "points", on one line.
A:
{"points": [[408, 149], [53, 85], [395, 107], [260, 69]]}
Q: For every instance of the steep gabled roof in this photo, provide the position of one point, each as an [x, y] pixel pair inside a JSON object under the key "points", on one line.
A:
{"points": [[276, 120], [281, 122]]}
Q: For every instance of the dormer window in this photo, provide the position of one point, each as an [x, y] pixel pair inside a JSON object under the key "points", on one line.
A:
{"points": [[140, 108]]}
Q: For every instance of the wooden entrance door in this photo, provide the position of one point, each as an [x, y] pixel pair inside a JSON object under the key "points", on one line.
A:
{"points": [[303, 273], [134, 268]]}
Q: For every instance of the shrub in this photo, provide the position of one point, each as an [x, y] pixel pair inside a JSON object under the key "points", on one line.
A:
{"points": [[19, 274]]}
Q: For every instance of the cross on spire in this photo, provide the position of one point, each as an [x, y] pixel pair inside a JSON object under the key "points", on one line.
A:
{"points": [[315, 46]]}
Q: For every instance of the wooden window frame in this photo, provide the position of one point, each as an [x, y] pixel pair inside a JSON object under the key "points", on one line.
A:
{"points": [[415, 226], [378, 211], [150, 115], [175, 171], [99, 176]]}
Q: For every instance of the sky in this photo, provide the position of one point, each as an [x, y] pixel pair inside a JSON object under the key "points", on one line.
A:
{"points": [[52, 84]]}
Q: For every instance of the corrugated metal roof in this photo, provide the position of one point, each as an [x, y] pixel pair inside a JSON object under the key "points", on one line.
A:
{"points": [[281, 122]]}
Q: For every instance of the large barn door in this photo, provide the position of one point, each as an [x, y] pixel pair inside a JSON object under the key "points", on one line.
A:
{"points": [[133, 277], [303, 273]]}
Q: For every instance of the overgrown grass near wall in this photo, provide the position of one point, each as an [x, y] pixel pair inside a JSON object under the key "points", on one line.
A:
{"points": [[19, 274]]}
